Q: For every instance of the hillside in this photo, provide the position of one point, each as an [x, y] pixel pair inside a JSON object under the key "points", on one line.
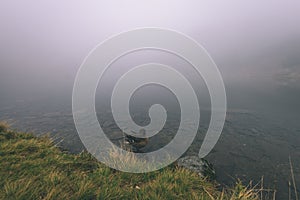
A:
{"points": [[34, 168]]}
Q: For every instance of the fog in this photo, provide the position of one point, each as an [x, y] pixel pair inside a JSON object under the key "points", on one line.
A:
{"points": [[255, 44]]}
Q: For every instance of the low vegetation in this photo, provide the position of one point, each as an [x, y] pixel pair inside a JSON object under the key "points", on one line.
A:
{"points": [[33, 168]]}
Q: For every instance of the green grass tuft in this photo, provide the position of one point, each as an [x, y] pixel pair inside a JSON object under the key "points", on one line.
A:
{"points": [[4, 126]]}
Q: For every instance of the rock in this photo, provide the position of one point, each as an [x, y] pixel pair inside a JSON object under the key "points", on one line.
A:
{"points": [[108, 124], [198, 165]]}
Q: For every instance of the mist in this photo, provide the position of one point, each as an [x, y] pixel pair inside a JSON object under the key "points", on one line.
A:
{"points": [[256, 46]]}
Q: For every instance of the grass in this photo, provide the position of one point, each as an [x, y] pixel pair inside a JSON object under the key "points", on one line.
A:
{"points": [[293, 181], [33, 168]]}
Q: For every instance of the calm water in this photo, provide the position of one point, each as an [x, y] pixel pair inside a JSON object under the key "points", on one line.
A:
{"points": [[252, 144]]}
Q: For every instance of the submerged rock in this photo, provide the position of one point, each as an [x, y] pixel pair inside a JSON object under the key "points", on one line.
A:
{"points": [[198, 165]]}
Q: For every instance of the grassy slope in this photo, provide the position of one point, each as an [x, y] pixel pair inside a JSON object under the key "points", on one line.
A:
{"points": [[33, 168]]}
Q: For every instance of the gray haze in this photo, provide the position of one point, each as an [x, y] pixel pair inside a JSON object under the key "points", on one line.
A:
{"points": [[255, 44]]}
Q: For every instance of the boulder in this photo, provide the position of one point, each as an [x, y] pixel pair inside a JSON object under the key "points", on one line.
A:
{"points": [[198, 165]]}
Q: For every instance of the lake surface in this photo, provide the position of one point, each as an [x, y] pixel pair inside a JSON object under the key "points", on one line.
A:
{"points": [[252, 144]]}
